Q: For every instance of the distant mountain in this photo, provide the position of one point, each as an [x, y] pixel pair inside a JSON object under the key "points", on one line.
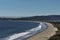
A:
{"points": [[49, 17], [37, 18]]}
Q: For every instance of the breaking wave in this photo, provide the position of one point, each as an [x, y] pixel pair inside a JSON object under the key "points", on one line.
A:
{"points": [[23, 35]]}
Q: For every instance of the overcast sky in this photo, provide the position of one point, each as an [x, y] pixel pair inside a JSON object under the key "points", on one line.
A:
{"points": [[21, 8]]}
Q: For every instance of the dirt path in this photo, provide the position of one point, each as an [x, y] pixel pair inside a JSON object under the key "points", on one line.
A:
{"points": [[50, 31]]}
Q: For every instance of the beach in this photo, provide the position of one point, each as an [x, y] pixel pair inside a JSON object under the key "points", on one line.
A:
{"points": [[45, 35]]}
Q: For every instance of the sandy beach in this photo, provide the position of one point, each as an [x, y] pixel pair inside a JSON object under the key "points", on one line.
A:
{"points": [[45, 35]]}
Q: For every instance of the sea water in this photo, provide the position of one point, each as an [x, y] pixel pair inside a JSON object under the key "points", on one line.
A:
{"points": [[11, 30]]}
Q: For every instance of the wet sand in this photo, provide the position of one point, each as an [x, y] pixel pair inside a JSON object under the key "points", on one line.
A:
{"points": [[46, 34]]}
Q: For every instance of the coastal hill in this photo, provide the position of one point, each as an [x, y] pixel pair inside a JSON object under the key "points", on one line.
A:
{"points": [[48, 18]]}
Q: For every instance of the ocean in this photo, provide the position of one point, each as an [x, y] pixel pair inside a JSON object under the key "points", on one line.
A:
{"points": [[17, 30]]}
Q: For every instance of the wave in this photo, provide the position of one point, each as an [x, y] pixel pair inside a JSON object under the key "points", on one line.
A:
{"points": [[23, 35]]}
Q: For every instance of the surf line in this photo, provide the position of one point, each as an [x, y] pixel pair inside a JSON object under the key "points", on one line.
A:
{"points": [[23, 35]]}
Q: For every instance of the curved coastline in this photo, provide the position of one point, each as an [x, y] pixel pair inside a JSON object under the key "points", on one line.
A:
{"points": [[43, 27], [24, 35], [29, 33], [46, 34]]}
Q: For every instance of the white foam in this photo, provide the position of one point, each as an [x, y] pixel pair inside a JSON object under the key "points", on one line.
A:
{"points": [[21, 36], [17, 35], [24, 34]]}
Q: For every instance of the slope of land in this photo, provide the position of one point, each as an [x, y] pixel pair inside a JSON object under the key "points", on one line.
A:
{"points": [[36, 18]]}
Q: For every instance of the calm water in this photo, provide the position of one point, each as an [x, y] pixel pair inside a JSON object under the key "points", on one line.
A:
{"points": [[8, 28]]}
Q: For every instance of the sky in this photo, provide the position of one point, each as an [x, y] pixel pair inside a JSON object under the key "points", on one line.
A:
{"points": [[23, 8]]}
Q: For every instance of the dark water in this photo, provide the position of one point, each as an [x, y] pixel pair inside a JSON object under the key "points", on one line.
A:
{"points": [[8, 28]]}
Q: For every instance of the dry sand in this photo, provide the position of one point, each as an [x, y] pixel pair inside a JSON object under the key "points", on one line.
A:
{"points": [[45, 35]]}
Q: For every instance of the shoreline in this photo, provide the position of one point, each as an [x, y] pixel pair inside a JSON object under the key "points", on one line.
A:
{"points": [[34, 31], [44, 35], [43, 23]]}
